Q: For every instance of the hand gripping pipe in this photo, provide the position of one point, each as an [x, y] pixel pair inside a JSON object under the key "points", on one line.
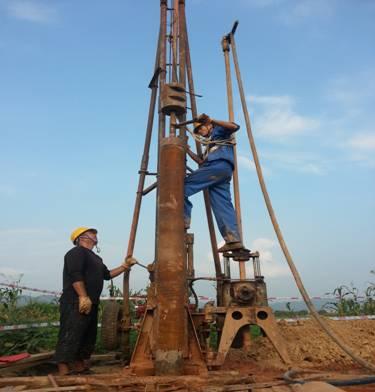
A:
{"points": [[275, 224]]}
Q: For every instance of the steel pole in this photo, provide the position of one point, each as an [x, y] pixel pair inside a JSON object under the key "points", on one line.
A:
{"points": [[199, 152], [161, 120], [182, 55], [125, 322], [236, 183]]}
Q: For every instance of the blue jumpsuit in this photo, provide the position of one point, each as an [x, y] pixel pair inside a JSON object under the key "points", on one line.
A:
{"points": [[215, 175]]}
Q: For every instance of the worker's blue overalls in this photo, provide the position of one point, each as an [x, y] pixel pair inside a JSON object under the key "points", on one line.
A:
{"points": [[215, 175]]}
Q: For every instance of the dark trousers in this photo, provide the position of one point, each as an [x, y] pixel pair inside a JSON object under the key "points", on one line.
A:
{"points": [[77, 334]]}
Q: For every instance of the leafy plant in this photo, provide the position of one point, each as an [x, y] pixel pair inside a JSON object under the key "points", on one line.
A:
{"points": [[349, 303]]}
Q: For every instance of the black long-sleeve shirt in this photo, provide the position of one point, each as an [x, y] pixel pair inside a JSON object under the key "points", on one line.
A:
{"points": [[82, 264]]}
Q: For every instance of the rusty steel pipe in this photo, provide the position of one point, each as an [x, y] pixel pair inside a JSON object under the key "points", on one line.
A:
{"points": [[174, 34], [150, 188], [170, 327], [236, 183], [199, 152], [189, 240], [236, 186], [125, 322], [182, 55], [142, 172], [162, 79]]}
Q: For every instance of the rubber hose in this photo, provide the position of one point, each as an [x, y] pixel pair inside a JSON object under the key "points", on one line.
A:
{"points": [[276, 226], [288, 377]]}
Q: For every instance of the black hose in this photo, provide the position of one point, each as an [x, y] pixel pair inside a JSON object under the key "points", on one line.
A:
{"points": [[194, 294], [288, 377]]}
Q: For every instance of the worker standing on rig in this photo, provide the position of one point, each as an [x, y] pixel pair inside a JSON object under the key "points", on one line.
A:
{"points": [[214, 174], [83, 277]]}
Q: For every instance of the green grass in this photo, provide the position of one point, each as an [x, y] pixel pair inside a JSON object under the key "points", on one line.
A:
{"points": [[35, 340]]}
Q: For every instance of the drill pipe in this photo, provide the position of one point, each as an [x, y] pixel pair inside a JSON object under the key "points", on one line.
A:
{"points": [[170, 330]]}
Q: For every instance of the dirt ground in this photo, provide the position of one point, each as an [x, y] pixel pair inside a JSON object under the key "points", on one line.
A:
{"points": [[309, 348]]}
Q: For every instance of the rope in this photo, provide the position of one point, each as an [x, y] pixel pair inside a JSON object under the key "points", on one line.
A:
{"points": [[208, 142]]}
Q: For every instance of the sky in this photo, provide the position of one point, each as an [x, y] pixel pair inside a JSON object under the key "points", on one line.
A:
{"points": [[73, 114]]}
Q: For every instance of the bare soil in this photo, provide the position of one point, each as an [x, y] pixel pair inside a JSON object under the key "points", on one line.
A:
{"points": [[309, 347], [311, 350]]}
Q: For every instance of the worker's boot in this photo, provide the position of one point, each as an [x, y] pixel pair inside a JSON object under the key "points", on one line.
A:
{"points": [[186, 224], [231, 246]]}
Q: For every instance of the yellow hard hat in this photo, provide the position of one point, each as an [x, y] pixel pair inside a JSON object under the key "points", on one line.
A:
{"points": [[80, 230]]}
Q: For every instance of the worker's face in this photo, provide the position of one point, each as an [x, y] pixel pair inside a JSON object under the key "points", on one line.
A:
{"points": [[205, 130], [88, 239]]}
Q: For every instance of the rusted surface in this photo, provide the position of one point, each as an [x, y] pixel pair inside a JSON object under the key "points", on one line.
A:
{"points": [[207, 203], [236, 184], [182, 55], [238, 317], [125, 322], [189, 242], [170, 323]]}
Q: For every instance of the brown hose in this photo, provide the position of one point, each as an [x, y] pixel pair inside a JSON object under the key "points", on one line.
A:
{"points": [[276, 227]]}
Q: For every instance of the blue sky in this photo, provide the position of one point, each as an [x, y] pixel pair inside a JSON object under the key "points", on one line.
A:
{"points": [[73, 112]]}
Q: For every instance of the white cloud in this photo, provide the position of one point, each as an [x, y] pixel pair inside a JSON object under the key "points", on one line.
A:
{"points": [[363, 142], [352, 98], [278, 119], [245, 163], [32, 11], [301, 162], [301, 10], [273, 100], [352, 91], [270, 267], [361, 149]]}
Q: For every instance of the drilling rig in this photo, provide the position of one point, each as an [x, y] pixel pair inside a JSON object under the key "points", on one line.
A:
{"points": [[174, 337]]}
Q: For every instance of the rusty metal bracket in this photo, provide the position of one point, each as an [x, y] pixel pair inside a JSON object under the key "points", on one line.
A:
{"points": [[154, 80], [147, 173], [150, 188], [234, 28]]}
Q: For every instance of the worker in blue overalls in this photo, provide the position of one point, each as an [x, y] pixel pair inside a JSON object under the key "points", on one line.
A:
{"points": [[214, 174]]}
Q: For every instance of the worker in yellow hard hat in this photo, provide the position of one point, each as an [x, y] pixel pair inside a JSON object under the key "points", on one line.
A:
{"points": [[83, 278]]}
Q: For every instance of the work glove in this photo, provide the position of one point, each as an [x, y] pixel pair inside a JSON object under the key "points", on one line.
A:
{"points": [[84, 305], [204, 118], [129, 262]]}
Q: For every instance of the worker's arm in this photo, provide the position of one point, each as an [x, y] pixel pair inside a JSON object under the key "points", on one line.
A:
{"points": [[117, 271], [75, 265], [125, 266], [229, 125], [196, 158], [80, 288]]}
